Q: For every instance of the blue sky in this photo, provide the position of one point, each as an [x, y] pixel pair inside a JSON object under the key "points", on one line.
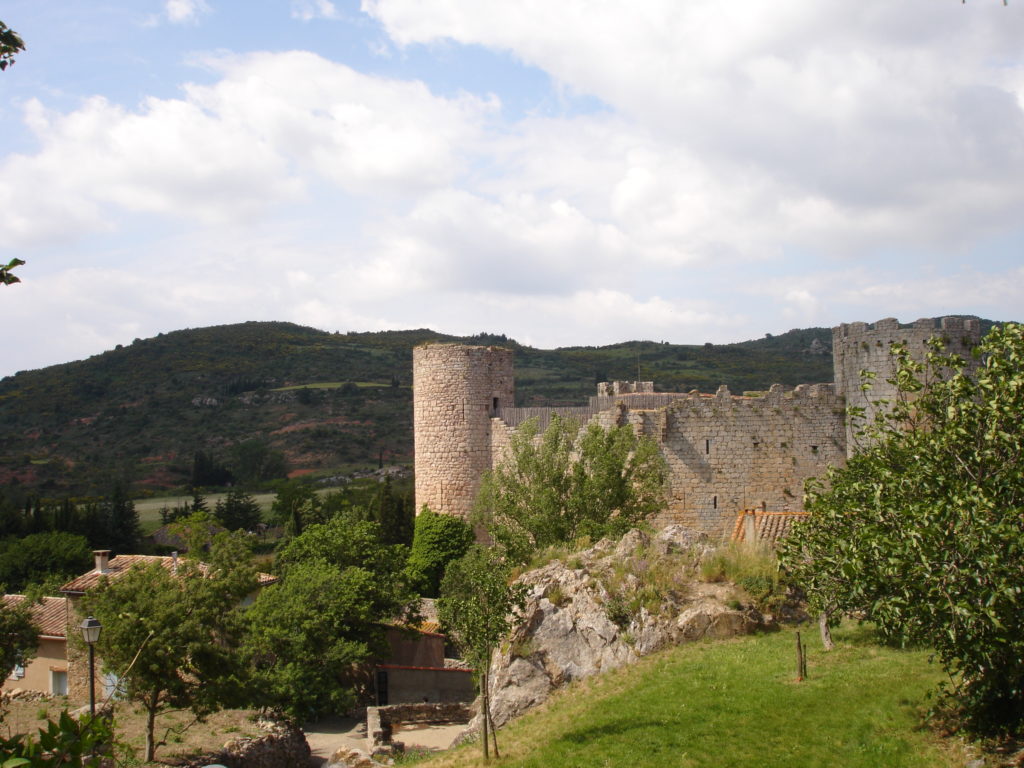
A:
{"points": [[566, 173]]}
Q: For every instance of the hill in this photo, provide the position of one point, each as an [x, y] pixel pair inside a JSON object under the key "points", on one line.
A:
{"points": [[735, 703], [329, 402]]}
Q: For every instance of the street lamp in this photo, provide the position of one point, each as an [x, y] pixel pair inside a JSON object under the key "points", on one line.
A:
{"points": [[91, 633]]}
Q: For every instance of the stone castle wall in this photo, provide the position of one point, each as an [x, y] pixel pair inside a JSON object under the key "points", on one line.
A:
{"points": [[860, 347], [725, 453], [456, 391]]}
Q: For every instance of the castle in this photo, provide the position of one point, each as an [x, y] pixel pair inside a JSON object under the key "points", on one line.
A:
{"points": [[726, 453]]}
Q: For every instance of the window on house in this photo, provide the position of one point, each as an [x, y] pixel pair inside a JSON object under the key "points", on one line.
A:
{"points": [[17, 673]]}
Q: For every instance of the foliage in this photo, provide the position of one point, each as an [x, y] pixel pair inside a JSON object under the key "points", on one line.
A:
{"points": [[921, 531], [254, 461], [171, 637], [395, 515], [6, 276], [306, 634], [18, 636], [437, 541], [568, 484], [476, 607], [296, 506], [10, 45], [66, 742], [755, 569], [238, 511], [32, 559]]}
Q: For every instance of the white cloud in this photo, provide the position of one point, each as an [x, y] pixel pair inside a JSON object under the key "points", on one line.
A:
{"points": [[184, 11], [307, 10], [258, 137]]}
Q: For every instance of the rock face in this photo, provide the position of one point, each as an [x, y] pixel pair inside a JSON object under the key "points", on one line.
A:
{"points": [[606, 607]]}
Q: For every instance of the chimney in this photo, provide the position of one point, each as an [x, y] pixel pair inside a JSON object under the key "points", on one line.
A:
{"points": [[174, 562], [102, 560]]}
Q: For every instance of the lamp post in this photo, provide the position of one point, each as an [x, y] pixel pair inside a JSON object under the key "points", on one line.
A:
{"points": [[91, 633]]}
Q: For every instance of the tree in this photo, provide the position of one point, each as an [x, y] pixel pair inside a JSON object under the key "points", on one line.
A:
{"points": [[476, 608], [296, 506], [394, 514], [10, 45], [254, 461], [40, 555], [308, 634], [170, 637], [438, 540], [568, 484], [922, 532], [18, 636], [238, 511]]}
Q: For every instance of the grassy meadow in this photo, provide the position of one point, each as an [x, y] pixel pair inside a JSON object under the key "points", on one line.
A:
{"points": [[736, 703]]}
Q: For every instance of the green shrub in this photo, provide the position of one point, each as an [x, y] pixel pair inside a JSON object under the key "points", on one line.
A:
{"points": [[754, 569], [437, 540]]}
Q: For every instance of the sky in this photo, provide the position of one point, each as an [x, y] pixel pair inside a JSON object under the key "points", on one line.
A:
{"points": [[578, 172]]}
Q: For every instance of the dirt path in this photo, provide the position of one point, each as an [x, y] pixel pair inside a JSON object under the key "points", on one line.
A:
{"points": [[326, 736]]}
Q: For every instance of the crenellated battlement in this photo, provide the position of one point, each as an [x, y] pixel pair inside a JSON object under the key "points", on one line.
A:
{"points": [[860, 347]]}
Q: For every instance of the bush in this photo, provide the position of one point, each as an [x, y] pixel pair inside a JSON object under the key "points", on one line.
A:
{"points": [[437, 541]]}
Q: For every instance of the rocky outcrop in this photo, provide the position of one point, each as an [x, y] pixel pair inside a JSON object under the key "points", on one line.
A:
{"points": [[606, 607], [285, 746]]}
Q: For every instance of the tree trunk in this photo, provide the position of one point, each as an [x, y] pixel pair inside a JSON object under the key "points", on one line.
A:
{"points": [[494, 731], [486, 708], [150, 728], [826, 633]]}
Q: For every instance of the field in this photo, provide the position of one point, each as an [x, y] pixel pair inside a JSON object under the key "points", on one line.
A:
{"points": [[736, 703]]}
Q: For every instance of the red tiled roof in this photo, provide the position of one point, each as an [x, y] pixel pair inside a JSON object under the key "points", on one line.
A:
{"points": [[769, 527], [50, 615], [119, 565]]}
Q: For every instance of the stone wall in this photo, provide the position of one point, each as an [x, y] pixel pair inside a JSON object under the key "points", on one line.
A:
{"points": [[456, 391], [380, 721], [728, 453], [859, 346], [725, 453], [284, 747]]}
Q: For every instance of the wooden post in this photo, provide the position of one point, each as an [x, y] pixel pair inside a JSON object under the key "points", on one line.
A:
{"points": [[799, 659]]}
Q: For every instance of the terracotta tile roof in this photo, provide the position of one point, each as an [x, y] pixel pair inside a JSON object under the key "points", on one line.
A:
{"points": [[50, 615], [768, 527], [122, 563]]}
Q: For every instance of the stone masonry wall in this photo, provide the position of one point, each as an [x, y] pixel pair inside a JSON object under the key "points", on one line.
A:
{"points": [[859, 346], [727, 453], [456, 391]]}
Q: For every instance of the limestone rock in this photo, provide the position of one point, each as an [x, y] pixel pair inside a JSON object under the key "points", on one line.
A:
{"points": [[568, 629]]}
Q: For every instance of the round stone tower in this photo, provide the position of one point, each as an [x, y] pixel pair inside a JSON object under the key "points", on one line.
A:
{"points": [[456, 391], [860, 347]]}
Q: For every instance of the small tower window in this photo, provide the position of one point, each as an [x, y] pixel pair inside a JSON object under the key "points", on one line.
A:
{"points": [[707, 446], [714, 502]]}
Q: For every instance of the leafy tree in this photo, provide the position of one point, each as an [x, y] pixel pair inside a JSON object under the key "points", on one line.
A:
{"points": [[921, 531], [171, 638], [208, 471], [10, 45], [438, 540], [124, 530], [394, 515], [18, 636], [32, 559], [238, 511], [566, 484], [476, 607], [307, 634], [254, 461], [296, 506]]}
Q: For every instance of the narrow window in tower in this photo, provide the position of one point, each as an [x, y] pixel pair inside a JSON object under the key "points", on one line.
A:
{"points": [[707, 447], [714, 502]]}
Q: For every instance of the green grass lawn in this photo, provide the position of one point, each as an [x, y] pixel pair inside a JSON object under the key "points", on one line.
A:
{"points": [[149, 509], [735, 703]]}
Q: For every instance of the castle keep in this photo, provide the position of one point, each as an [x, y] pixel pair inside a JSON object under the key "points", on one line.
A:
{"points": [[726, 453]]}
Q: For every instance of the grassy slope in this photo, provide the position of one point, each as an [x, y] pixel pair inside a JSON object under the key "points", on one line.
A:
{"points": [[735, 703]]}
